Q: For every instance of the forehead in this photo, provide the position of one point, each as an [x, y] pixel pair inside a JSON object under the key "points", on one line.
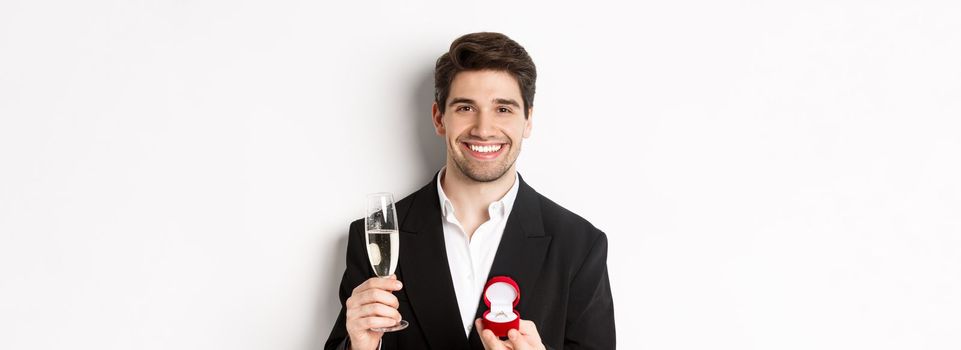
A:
{"points": [[485, 85]]}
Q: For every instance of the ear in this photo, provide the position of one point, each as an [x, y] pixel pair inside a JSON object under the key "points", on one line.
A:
{"points": [[438, 119], [528, 122]]}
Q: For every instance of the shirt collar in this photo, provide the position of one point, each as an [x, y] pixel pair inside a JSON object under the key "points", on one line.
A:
{"points": [[500, 208]]}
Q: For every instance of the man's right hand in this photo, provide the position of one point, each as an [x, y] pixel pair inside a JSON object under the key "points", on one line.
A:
{"points": [[371, 305]]}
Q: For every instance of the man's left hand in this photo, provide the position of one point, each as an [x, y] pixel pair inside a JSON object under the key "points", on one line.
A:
{"points": [[523, 338]]}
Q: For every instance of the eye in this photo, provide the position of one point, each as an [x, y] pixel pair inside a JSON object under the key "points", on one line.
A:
{"points": [[504, 110], [465, 108]]}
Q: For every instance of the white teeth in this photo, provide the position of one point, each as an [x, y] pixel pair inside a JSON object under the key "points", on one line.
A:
{"points": [[485, 149]]}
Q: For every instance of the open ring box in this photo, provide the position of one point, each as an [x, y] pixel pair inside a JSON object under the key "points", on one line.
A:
{"points": [[501, 295]]}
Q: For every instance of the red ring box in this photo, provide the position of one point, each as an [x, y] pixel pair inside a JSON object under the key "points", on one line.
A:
{"points": [[501, 294]]}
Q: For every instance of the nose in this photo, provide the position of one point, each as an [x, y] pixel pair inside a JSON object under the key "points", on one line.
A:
{"points": [[484, 126]]}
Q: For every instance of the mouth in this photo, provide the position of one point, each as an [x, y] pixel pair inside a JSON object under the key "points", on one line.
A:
{"points": [[484, 151]]}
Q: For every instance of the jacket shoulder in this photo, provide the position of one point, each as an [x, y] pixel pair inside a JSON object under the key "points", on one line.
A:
{"points": [[565, 224]]}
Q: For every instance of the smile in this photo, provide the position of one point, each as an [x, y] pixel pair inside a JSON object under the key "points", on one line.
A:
{"points": [[484, 152], [484, 149]]}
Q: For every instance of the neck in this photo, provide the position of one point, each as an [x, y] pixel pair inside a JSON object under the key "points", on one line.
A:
{"points": [[472, 196]]}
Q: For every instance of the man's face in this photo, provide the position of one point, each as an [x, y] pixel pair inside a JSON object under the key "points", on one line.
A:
{"points": [[483, 124]]}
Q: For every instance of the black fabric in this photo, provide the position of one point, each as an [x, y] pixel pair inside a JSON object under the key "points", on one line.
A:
{"points": [[558, 259]]}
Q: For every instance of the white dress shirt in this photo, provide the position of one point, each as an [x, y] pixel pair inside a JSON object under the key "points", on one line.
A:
{"points": [[470, 260]]}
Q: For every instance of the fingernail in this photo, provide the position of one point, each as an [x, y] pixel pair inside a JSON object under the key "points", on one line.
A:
{"points": [[399, 285]]}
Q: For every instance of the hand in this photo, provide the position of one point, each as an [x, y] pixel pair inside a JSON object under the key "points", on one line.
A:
{"points": [[523, 338], [371, 305]]}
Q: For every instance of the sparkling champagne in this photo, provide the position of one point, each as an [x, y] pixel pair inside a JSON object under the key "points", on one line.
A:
{"points": [[383, 250], [383, 242]]}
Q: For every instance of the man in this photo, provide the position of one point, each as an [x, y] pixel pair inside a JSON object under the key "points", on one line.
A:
{"points": [[477, 219]]}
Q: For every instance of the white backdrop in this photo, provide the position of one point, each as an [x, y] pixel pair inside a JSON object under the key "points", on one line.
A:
{"points": [[180, 175]]}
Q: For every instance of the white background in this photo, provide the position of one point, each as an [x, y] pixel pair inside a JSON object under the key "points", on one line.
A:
{"points": [[180, 174]]}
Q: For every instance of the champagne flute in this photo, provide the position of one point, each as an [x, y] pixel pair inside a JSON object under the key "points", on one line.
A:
{"points": [[383, 241]]}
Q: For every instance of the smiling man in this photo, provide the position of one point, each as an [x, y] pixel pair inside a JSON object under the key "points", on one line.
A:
{"points": [[477, 219]]}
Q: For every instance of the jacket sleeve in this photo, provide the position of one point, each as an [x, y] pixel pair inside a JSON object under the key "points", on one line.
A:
{"points": [[590, 318], [357, 271]]}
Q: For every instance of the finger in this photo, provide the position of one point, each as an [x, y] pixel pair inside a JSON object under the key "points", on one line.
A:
{"points": [[377, 309], [372, 296], [491, 342], [518, 340], [373, 309], [528, 329], [479, 327], [367, 323], [391, 284]]}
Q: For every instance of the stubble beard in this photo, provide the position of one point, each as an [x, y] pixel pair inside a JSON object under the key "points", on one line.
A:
{"points": [[481, 173]]}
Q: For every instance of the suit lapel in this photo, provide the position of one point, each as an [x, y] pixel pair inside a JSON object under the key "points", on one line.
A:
{"points": [[520, 254], [428, 284]]}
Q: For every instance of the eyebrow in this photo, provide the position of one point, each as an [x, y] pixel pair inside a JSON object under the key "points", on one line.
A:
{"points": [[501, 101], [457, 100], [507, 101]]}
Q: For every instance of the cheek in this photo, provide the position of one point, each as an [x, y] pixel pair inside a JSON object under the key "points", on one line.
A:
{"points": [[455, 130], [519, 132]]}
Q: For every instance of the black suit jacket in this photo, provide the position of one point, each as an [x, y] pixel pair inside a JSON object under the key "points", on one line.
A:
{"points": [[558, 259]]}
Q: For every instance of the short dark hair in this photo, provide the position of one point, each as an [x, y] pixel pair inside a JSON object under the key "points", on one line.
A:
{"points": [[481, 51]]}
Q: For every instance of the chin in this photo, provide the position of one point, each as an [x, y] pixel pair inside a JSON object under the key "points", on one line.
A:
{"points": [[485, 175], [481, 178]]}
